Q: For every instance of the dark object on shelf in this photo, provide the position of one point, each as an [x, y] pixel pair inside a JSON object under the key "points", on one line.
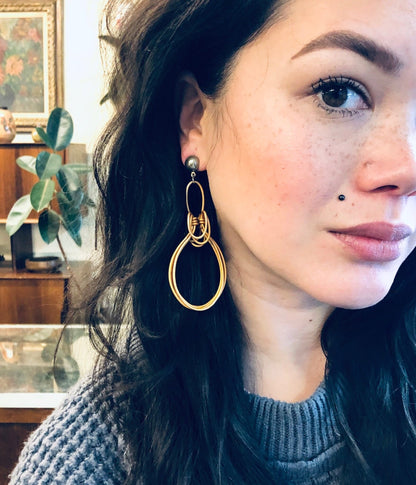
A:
{"points": [[21, 246], [44, 264]]}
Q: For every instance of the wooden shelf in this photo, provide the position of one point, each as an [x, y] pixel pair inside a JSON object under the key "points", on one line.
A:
{"points": [[9, 274], [24, 415], [26, 297]]}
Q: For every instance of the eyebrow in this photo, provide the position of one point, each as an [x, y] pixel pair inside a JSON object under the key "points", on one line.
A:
{"points": [[382, 57]]}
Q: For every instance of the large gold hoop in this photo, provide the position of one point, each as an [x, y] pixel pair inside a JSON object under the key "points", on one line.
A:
{"points": [[202, 224]]}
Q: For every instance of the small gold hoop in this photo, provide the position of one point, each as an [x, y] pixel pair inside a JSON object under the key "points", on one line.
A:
{"points": [[193, 181], [197, 240]]}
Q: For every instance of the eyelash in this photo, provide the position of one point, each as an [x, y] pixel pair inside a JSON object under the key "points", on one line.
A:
{"points": [[324, 85]]}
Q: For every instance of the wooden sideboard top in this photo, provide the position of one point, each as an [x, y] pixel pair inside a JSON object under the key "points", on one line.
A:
{"points": [[7, 273]]}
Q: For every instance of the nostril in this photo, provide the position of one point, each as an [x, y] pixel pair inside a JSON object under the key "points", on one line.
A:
{"points": [[386, 188]]}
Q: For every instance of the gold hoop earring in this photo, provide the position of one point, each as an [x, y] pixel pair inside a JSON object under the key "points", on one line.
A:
{"points": [[199, 233]]}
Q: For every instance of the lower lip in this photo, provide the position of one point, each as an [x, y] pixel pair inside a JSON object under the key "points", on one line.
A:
{"points": [[370, 249]]}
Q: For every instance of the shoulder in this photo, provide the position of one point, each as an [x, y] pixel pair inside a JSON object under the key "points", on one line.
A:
{"points": [[81, 442]]}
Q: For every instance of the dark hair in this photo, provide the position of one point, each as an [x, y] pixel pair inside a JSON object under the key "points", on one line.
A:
{"points": [[371, 379], [186, 386]]}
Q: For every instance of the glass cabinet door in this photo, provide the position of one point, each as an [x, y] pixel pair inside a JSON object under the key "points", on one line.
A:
{"points": [[41, 360]]}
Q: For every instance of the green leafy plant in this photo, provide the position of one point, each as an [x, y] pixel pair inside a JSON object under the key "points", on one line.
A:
{"points": [[57, 181]]}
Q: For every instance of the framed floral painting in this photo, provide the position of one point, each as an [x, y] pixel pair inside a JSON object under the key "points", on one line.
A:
{"points": [[31, 82]]}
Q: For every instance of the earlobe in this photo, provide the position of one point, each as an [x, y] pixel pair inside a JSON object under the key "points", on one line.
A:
{"points": [[190, 102]]}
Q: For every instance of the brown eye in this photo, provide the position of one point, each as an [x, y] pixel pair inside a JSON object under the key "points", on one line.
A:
{"points": [[336, 96], [341, 95]]}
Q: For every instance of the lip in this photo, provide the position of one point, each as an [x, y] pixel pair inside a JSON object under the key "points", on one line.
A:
{"points": [[375, 241]]}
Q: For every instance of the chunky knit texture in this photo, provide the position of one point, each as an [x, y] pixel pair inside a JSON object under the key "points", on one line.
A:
{"points": [[300, 440], [82, 443]]}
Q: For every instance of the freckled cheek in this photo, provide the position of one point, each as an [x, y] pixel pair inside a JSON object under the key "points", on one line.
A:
{"points": [[304, 175], [283, 161]]}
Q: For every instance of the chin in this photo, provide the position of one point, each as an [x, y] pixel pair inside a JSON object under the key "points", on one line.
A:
{"points": [[358, 296], [361, 302]]}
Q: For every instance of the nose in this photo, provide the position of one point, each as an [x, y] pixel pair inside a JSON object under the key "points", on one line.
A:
{"points": [[388, 160]]}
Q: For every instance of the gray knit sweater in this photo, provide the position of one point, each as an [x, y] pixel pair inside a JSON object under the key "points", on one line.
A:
{"points": [[82, 443]]}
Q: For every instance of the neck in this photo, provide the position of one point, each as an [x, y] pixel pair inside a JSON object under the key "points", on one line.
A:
{"points": [[284, 358]]}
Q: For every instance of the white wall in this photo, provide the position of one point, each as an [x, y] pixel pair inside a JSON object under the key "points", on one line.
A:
{"points": [[82, 69], [83, 89]]}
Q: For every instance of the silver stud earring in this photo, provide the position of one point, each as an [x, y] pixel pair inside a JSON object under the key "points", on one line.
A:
{"points": [[192, 163]]}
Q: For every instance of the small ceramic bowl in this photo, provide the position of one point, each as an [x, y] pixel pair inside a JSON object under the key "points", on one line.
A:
{"points": [[45, 264]]}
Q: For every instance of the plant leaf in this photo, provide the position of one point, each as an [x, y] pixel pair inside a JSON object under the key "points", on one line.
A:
{"points": [[70, 179], [71, 185], [60, 129], [47, 164], [42, 194], [27, 163], [49, 223], [88, 201], [18, 214], [71, 217], [45, 137], [80, 168]]}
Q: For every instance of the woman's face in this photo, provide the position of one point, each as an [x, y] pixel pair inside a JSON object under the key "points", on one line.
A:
{"points": [[322, 104]]}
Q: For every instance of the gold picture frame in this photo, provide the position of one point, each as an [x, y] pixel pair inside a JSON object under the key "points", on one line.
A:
{"points": [[31, 60]]}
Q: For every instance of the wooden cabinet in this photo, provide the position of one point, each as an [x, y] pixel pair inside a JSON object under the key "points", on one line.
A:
{"points": [[32, 297], [24, 297], [15, 427]]}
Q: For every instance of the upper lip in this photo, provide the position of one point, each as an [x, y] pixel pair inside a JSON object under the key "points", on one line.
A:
{"points": [[383, 231]]}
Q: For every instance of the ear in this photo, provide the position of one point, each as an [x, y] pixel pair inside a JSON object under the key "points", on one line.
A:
{"points": [[191, 107]]}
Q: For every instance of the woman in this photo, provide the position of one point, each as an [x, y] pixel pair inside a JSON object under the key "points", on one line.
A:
{"points": [[298, 120]]}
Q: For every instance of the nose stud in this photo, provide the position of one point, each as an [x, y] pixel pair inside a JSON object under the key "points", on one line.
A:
{"points": [[341, 197]]}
